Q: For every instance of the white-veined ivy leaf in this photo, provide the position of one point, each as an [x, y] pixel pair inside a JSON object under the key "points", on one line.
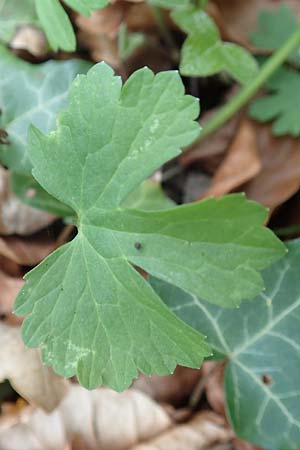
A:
{"points": [[204, 53], [14, 13], [88, 309], [281, 104], [274, 29], [261, 342], [31, 94]]}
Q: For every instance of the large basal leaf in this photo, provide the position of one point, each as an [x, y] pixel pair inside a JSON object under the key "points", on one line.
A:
{"points": [[31, 94], [204, 53], [89, 309], [14, 13], [261, 341]]}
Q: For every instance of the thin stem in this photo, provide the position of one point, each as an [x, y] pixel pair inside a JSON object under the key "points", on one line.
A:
{"points": [[165, 32], [201, 385], [238, 101]]}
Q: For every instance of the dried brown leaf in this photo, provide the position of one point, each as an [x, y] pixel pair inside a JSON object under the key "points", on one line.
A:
{"points": [[23, 368], [26, 251], [279, 178], [9, 288], [16, 217], [100, 419], [203, 431], [241, 163], [172, 389]]}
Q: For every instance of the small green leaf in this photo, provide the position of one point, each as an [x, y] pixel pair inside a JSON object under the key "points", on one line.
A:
{"points": [[274, 29], [86, 6], [261, 342], [282, 104], [31, 94], [56, 24], [89, 310], [170, 4], [129, 42], [14, 13], [203, 52]]}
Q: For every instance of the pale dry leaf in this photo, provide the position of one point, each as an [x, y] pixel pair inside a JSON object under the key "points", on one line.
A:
{"points": [[172, 389], [102, 419], [214, 386], [105, 21], [16, 217], [23, 368], [204, 430], [241, 163], [101, 48], [279, 178], [9, 287], [32, 39]]}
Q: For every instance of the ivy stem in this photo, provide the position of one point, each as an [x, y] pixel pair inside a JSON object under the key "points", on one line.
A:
{"points": [[244, 95], [165, 32]]}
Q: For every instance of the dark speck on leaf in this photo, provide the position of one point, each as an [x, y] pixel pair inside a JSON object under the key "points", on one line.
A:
{"points": [[266, 379], [138, 245]]}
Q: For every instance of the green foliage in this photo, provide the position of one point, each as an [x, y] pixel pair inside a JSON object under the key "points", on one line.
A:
{"points": [[274, 28], [14, 13], [32, 94], [261, 342], [129, 42], [89, 309], [282, 104], [170, 4], [205, 54], [56, 22]]}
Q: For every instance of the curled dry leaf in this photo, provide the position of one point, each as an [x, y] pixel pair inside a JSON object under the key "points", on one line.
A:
{"points": [[16, 217], [172, 389], [98, 32], [279, 178], [241, 163], [214, 386], [30, 38], [26, 251], [204, 430], [243, 445], [9, 288], [26, 373], [100, 419]]}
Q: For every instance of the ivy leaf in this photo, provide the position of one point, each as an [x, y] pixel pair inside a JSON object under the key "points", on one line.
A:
{"points": [[204, 53], [14, 13], [274, 29], [281, 104], [31, 94], [89, 310], [261, 342]]}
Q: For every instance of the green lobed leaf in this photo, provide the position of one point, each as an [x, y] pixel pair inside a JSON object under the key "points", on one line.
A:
{"points": [[149, 196], [204, 53], [261, 342], [31, 94], [274, 29], [14, 13], [282, 104], [88, 309], [170, 4]]}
